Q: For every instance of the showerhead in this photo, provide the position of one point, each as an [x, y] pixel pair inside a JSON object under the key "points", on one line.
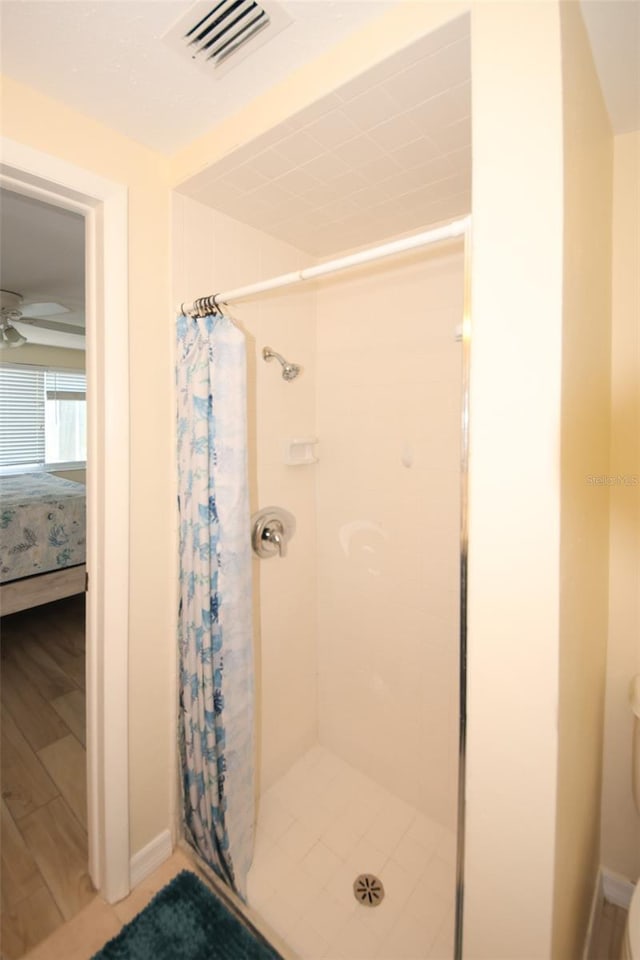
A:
{"points": [[289, 370]]}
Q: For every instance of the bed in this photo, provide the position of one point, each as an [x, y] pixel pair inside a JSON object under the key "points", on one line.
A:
{"points": [[42, 540]]}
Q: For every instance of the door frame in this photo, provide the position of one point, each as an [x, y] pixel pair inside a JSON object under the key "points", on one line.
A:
{"points": [[104, 206]]}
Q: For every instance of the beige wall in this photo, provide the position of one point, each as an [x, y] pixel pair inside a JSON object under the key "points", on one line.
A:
{"points": [[584, 538], [40, 356], [620, 822], [214, 252], [388, 401], [514, 522], [42, 123]]}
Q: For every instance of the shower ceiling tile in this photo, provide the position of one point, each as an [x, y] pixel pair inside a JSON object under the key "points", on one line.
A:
{"points": [[299, 181], [385, 154], [370, 108], [443, 109], [395, 132], [326, 167], [455, 136], [378, 75], [417, 153], [349, 183], [333, 129], [459, 161], [271, 164], [370, 195], [460, 99], [227, 187], [299, 147], [340, 208], [291, 232], [273, 194], [359, 151], [316, 110], [401, 183], [244, 178], [322, 194], [379, 169], [434, 74]]}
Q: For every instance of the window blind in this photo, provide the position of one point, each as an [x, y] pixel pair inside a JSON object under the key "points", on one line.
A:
{"points": [[24, 392], [63, 385], [22, 439]]}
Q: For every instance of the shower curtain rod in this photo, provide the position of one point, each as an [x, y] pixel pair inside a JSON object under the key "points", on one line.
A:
{"points": [[451, 230]]}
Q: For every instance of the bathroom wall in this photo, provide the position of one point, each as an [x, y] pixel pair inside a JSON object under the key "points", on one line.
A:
{"points": [[584, 504], [389, 423], [213, 252], [620, 821], [514, 510]]}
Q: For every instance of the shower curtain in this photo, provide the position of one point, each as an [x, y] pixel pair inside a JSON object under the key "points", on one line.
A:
{"points": [[216, 725]]}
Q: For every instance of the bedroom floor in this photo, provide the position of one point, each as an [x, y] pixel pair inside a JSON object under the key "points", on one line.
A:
{"points": [[45, 880]]}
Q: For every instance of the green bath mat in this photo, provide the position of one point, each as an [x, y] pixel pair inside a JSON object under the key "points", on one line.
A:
{"points": [[185, 921]]}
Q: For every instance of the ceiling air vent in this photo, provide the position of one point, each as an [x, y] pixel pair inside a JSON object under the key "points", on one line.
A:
{"points": [[219, 35]]}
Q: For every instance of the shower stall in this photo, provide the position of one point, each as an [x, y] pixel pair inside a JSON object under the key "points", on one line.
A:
{"points": [[356, 432]]}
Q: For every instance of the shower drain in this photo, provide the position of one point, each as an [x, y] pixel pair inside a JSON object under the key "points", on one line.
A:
{"points": [[368, 890]]}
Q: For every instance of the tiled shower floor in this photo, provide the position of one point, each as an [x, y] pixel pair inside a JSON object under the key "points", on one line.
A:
{"points": [[321, 825]]}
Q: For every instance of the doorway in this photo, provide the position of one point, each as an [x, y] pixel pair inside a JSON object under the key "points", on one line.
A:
{"points": [[103, 204]]}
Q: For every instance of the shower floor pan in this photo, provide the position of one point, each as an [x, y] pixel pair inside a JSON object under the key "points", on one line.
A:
{"points": [[321, 826]]}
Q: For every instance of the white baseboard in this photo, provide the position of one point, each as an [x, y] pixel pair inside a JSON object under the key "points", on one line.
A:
{"points": [[594, 913], [617, 890], [148, 859]]}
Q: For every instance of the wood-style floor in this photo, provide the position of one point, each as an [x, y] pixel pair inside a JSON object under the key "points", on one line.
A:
{"points": [[45, 881], [608, 933]]}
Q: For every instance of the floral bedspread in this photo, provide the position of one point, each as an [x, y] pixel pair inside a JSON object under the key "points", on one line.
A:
{"points": [[42, 524]]}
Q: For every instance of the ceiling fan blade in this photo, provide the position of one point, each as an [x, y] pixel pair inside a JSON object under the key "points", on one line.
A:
{"points": [[52, 325], [39, 310]]}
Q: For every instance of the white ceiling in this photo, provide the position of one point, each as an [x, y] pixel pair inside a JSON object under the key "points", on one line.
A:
{"points": [[387, 153], [42, 259], [108, 60]]}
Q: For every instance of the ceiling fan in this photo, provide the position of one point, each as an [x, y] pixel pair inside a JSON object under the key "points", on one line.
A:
{"points": [[35, 314]]}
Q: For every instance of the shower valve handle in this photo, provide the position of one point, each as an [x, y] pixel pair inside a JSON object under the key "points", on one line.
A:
{"points": [[271, 530], [274, 533]]}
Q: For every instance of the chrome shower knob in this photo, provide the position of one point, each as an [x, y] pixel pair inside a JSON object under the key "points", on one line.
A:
{"points": [[271, 530]]}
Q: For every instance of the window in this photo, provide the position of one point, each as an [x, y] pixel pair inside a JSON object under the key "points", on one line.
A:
{"points": [[43, 416]]}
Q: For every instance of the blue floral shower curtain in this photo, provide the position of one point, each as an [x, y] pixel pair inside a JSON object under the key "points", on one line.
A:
{"points": [[216, 725]]}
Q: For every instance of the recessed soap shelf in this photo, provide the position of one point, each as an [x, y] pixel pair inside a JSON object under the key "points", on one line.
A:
{"points": [[300, 451]]}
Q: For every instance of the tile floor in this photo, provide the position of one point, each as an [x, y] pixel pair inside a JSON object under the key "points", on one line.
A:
{"points": [[321, 825]]}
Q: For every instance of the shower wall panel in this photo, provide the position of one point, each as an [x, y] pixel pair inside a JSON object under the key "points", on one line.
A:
{"points": [[213, 252], [388, 410]]}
